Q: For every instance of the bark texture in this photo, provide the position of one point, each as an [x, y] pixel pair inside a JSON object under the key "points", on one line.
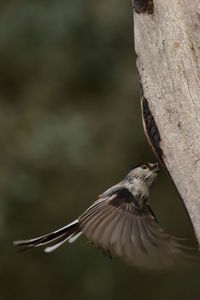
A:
{"points": [[167, 44]]}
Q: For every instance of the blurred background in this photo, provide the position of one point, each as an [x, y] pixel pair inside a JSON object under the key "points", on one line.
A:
{"points": [[70, 127]]}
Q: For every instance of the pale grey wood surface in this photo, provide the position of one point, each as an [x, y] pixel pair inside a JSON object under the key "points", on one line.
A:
{"points": [[167, 45]]}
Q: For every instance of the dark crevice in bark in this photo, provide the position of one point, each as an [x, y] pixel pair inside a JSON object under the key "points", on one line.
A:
{"points": [[143, 6], [152, 130]]}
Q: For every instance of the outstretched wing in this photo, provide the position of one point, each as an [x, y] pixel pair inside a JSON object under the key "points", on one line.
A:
{"points": [[117, 222]]}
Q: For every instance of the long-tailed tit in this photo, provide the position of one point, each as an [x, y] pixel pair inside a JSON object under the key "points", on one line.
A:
{"points": [[121, 221]]}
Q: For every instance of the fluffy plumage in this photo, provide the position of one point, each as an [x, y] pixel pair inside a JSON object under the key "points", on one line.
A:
{"points": [[122, 221]]}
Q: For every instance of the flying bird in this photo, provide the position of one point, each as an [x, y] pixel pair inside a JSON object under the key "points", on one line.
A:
{"points": [[121, 221]]}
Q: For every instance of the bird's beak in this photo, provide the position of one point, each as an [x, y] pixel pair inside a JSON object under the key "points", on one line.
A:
{"points": [[156, 168]]}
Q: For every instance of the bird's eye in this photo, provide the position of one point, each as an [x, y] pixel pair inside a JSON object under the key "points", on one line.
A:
{"points": [[144, 167]]}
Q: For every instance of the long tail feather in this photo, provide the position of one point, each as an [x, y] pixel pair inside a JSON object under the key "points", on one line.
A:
{"points": [[59, 236]]}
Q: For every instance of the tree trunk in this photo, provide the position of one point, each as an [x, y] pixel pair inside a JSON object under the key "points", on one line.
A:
{"points": [[167, 44]]}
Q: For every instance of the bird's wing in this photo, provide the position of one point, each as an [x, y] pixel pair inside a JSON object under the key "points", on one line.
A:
{"points": [[117, 222]]}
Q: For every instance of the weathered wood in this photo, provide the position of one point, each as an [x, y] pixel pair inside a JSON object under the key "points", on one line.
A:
{"points": [[167, 44]]}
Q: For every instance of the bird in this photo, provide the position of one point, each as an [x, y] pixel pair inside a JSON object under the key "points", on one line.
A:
{"points": [[121, 222]]}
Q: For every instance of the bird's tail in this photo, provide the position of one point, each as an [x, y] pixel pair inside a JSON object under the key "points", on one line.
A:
{"points": [[68, 233]]}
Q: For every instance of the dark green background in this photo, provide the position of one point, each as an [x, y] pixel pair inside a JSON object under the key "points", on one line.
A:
{"points": [[70, 127]]}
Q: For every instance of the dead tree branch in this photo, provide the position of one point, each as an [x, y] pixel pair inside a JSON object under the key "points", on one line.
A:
{"points": [[167, 44]]}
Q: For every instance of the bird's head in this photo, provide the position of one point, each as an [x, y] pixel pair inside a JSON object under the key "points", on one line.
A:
{"points": [[146, 173]]}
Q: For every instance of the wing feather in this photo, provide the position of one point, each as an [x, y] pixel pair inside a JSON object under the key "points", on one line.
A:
{"points": [[103, 232], [116, 222]]}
